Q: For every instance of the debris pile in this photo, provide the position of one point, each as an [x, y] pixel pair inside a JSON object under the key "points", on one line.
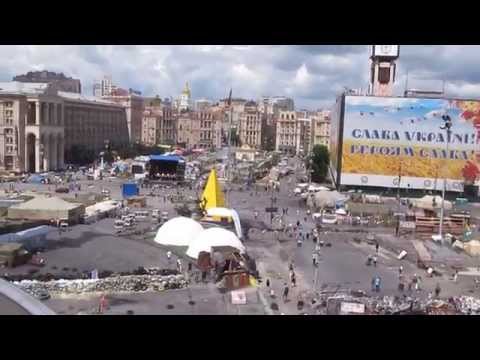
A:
{"points": [[131, 283], [332, 304], [467, 305]]}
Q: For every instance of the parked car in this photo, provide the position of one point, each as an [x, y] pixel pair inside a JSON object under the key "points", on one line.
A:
{"points": [[62, 190]]}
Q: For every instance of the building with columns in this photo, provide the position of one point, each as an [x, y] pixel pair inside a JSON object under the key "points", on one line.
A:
{"points": [[32, 127], [92, 122], [38, 124], [134, 107]]}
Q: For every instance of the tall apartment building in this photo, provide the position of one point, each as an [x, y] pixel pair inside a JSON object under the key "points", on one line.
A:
{"points": [[57, 81], [200, 129], [304, 132], [103, 87], [250, 126], [210, 136], [188, 130], [321, 128], [39, 124], [158, 124], [286, 132]]}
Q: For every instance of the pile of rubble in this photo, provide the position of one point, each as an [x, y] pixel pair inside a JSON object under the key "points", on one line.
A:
{"points": [[130, 283], [467, 305], [332, 304]]}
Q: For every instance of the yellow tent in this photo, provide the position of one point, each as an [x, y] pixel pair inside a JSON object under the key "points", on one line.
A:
{"points": [[212, 195]]}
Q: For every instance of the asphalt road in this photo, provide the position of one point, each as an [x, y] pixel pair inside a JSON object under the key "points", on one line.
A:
{"points": [[342, 265]]}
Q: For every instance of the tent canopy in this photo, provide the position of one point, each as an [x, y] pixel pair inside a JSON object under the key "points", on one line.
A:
{"points": [[179, 231], [216, 239], [430, 202], [46, 203], [327, 198]]}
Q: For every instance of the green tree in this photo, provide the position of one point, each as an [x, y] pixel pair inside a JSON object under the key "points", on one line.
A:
{"points": [[318, 162]]}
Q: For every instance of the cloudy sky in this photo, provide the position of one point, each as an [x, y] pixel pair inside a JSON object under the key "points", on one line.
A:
{"points": [[312, 75]]}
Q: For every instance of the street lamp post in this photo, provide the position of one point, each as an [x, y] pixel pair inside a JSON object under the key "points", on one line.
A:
{"points": [[447, 126]]}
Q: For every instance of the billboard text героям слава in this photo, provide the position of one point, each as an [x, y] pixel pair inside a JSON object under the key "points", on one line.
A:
{"points": [[387, 137]]}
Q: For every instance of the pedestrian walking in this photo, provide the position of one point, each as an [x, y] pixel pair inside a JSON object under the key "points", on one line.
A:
{"points": [[455, 276], [286, 211], [179, 266], [299, 242], [255, 215], [298, 223], [369, 260], [374, 261], [190, 266], [400, 270], [376, 247], [285, 292], [437, 290], [103, 304], [298, 212], [293, 279], [169, 256], [291, 265], [315, 259]]}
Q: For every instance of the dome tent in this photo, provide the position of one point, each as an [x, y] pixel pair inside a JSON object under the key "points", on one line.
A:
{"points": [[179, 231], [216, 238]]}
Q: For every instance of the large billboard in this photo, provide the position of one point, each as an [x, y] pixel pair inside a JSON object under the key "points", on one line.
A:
{"points": [[386, 140]]}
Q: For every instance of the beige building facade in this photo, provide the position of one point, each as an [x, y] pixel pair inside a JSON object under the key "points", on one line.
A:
{"points": [[321, 128], [158, 126], [286, 132], [250, 129]]}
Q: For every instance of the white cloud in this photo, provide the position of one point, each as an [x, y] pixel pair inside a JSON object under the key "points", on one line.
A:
{"points": [[312, 75], [302, 77]]}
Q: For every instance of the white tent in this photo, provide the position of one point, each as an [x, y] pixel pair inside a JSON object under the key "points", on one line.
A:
{"points": [[179, 231], [432, 202], [228, 213], [216, 239], [323, 199]]}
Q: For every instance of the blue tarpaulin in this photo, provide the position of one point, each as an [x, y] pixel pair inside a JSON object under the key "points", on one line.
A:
{"points": [[171, 158], [129, 189]]}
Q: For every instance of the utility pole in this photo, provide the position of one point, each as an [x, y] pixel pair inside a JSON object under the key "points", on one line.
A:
{"points": [[447, 126], [399, 183]]}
